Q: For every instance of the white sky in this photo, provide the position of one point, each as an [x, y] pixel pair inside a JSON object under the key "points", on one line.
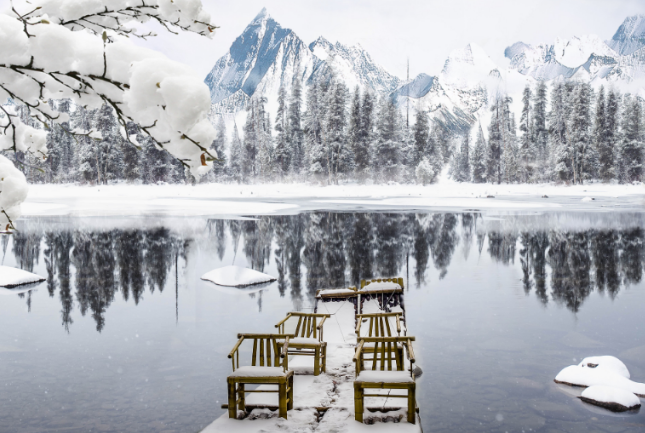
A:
{"points": [[392, 30]]}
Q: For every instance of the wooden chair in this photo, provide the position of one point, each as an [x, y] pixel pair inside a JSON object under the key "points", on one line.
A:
{"points": [[388, 292], [387, 372], [366, 283], [268, 367], [379, 326], [307, 340]]}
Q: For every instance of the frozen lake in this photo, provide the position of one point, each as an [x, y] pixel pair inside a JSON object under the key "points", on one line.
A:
{"points": [[124, 336]]}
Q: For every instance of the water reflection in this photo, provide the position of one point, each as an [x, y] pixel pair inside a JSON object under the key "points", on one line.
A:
{"points": [[88, 268]]}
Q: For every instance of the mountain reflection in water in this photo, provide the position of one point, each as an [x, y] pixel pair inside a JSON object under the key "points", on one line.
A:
{"points": [[561, 264]]}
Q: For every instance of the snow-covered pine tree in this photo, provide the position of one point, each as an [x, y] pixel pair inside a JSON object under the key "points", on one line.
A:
{"points": [[315, 155], [601, 145], [340, 159], [461, 172], [365, 139], [421, 133], [236, 156], [562, 154], [527, 145], [251, 139], [84, 149], [386, 158], [631, 149], [584, 156], [434, 150], [219, 146], [132, 168], [495, 142], [510, 150], [353, 131], [424, 172], [479, 157], [541, 134], [296, 134], [608, 152], [282, 151], [265, 162]]}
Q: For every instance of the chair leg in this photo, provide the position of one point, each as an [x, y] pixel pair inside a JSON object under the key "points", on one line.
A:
{"points": [[412, 404], [241, 395], [324, 358], [358, 402], [232, 399], [317, 361], [282, 397], [290, 393]]}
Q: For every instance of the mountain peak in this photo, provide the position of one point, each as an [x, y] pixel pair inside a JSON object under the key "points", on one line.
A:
{"points": [[630, 36], [263, 15]]}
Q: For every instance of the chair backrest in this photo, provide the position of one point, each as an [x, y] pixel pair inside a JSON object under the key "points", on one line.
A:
{"points": [[379, 324], [310, 325], [269, 350], [397, 280], [386, 357]]}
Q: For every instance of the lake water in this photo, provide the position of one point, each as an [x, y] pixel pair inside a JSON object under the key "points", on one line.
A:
{"points": [[125, 337]]}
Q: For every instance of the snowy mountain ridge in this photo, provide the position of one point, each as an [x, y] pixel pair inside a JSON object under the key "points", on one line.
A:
{"points": [[585, 57], [267, 56]]}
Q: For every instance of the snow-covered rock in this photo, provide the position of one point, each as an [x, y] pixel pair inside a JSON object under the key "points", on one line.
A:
{"points": [[236, 276], [12, 277], [600, 371], [615, 399], [630, 36]]}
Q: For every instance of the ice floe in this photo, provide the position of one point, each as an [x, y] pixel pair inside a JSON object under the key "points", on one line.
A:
{"points": [[236, 276], [12, 277], [608, 381]]}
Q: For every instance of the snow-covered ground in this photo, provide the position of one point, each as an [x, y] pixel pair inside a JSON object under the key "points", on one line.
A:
{"points": [[263, 199], [12, 277], [236, 276]]}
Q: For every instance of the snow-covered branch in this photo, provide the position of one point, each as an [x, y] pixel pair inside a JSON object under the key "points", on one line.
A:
{"points": [[56, 49]]}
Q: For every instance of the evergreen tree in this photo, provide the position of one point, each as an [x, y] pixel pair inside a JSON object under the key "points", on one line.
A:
{"points": [[631, 150], [250, 144], [479, 158], [495, 137], [584, 158], [387, 155], [558, 134], [316, 155], [364, 142], [219, 146], [527, 149], [236, 157], [461, 172], [283, 149], [353, 132], [421, 131], [339, 155], [540, 131], [609, 137], [296, 134]]}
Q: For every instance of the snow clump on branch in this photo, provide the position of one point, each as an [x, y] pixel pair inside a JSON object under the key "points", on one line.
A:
{"points": [[58, 49]]}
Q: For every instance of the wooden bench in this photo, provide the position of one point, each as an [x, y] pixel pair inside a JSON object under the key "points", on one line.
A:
{"points": [[307, 340], [268, 367], [387, 372]]}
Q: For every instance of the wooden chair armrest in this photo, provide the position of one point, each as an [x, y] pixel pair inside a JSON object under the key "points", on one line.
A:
{"points": [[359, 349], [398, 324], [237, 345], [283, 320], [410, 351]]}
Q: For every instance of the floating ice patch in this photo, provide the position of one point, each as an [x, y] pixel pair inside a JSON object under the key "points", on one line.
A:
{"points": [[588, 199], [615, 399], [600, 371], [235, 276], [12, 277]]}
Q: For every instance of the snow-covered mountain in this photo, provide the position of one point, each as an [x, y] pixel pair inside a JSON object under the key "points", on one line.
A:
{"points": [[458, 93], [587, 57], [267, 56]]}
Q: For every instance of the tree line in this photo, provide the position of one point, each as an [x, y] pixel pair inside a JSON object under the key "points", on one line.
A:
{"points": [[567, 133]]}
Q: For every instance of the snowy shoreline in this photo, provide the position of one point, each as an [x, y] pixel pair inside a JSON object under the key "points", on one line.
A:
{"points": [[282, 199]]}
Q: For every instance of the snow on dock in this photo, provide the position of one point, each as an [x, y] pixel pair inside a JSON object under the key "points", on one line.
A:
{"points": [[325, 403]]}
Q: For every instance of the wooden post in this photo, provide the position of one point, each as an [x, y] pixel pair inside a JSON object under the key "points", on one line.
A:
{"points": [[241, 395], [317, 361], [290, 393]]}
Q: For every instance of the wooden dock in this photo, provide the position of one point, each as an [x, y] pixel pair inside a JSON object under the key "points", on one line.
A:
{"points": [[326, 402]]}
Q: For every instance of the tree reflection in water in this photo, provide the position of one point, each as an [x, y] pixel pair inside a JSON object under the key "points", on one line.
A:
{"points": [[86, 269]]}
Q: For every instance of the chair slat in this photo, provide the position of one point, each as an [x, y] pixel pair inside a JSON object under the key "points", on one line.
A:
{"points": [[261, 352], [269, 352], [255, 351]]}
